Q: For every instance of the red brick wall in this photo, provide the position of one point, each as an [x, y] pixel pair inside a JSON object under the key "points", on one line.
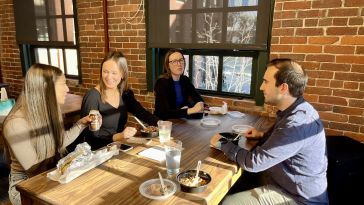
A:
{"points": [[126, 33], [326, 36], [9, 52]]}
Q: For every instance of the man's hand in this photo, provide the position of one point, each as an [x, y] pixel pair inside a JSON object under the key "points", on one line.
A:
{"points": [[253, 134], [214, 142]]}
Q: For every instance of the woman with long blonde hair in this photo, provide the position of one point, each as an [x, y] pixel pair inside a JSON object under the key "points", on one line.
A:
{"points": [[33, 130]]}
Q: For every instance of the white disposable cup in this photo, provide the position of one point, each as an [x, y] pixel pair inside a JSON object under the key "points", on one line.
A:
{"points": [[165, 128], [173, 151]]}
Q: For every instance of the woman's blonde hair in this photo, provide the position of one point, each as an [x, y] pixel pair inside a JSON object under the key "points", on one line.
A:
{"points": [[119, 58], [38, 103]]}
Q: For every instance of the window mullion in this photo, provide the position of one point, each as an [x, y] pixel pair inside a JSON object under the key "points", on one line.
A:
{"points": [[190, 63], [193, 32], [63, 17], [224, 22], [47, 17], [219, 76], [49, 56], [64, 61]]}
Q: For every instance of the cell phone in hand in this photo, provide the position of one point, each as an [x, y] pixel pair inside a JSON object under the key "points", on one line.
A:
{"points": [[125, 147]]}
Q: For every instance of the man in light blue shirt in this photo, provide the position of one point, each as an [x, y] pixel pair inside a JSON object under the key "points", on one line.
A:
{"points": [[293, 151]]}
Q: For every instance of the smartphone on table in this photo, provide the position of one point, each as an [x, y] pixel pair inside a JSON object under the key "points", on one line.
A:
{"points": [[125, 147]]}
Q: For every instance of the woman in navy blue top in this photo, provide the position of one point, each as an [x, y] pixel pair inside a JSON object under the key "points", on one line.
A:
{"points": [[175, 95]]}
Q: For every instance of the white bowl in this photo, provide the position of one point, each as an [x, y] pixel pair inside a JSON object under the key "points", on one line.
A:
{"points": [[235, 114], [210, 122], [241, 128], [146, 189]]}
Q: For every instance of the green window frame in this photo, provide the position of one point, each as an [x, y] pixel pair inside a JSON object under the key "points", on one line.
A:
{"points": [[47, 32], [160, 38]]}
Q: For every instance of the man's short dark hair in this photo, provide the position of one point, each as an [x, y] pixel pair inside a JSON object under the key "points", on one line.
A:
{"points": [[291, 73]]}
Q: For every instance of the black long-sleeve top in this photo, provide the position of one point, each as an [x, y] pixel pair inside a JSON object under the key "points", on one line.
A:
{"points": [[165, 98], [113, 119]]}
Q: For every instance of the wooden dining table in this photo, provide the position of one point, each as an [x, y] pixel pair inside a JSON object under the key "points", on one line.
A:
{"points": [[117, 180]]}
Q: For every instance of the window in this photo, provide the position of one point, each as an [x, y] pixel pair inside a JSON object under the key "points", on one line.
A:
{"points": [[225, 42], [47, 33]]}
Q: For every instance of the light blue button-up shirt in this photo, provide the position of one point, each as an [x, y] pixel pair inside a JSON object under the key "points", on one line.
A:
{"points": [[293, 153]]}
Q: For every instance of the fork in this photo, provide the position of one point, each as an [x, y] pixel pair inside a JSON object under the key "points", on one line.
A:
{"points": [[163, 188], [237, 137]]}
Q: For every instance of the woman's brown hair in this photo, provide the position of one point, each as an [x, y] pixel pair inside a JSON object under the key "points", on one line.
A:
{"points": [[166, 70], [120, 60]]}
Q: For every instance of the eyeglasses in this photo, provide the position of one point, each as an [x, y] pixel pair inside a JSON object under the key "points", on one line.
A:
{"points": [[175, 62]]}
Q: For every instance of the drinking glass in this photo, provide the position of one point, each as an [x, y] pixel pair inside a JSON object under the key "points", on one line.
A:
{"points": [[165, 128], [173, 150]]}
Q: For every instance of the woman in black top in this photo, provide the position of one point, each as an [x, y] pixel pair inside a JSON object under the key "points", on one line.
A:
{"points": [[175, 96], [113, 99]]}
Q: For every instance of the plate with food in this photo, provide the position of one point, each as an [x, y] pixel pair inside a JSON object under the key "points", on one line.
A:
{"points": [[186, 181], [152, 189]]}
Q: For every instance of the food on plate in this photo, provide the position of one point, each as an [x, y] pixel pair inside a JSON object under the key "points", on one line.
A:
{"points": [[78, 158], [150, 129], [156, 189], [188, 181], [67, 163]]}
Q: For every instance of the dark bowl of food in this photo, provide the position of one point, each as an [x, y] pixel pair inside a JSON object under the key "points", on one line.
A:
{"points": [[186, 181], [150, 131]]}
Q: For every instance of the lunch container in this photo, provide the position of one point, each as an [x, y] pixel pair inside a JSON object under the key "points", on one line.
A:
{"points": [[149, 134], [192, 173]]}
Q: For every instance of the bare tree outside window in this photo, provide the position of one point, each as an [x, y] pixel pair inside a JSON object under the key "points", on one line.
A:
{"points": [[241, 28], [236, 3], [237, 74], [225, 42], [205, 72], [187, 60], [209, 3], [209, 27]]}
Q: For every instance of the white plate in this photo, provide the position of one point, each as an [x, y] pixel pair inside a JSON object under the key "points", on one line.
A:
{"points": [[210, 122], [151, 189], [236, 114], [241, 128], [214, 110]]}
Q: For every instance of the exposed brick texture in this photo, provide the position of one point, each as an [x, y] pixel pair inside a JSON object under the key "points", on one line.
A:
{"points": [[9, 52], [340, 60], [325, 36]]}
